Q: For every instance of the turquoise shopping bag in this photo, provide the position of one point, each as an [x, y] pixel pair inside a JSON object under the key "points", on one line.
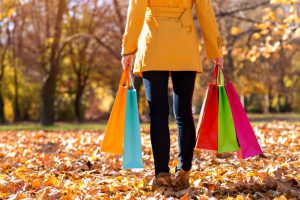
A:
{"points": [[132, 157]]}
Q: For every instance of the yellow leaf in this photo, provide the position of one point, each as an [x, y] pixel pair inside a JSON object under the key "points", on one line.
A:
{"points": [[253, 58], [49, 41], [282, 197], [256, 36], [250, 174], [67, 61], [51, 180], [10, 12], [282, 1], [67, 195], [235, 30], [3, 194]]}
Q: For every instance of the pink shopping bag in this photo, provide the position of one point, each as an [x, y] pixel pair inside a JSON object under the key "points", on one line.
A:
{"points": [[245, 134]]}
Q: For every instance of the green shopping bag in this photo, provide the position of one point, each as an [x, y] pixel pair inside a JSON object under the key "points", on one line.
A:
{"points": [[227, 140]]}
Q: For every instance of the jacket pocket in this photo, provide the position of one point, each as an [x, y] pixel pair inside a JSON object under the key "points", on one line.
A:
{"points": [[186, 19]]}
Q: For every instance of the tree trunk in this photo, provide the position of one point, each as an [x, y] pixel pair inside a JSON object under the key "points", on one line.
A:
{"points": [[48, 89], [2, 112], [17, 116], [17, 46], [47, 101], [229, 65], [2, 69], [266, 104], [78, 106]]}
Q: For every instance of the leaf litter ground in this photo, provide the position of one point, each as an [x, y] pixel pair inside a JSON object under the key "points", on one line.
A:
{"points": [[69, 165]]}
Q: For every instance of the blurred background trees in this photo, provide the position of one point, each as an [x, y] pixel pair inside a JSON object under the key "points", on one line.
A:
{"points": [[60, 59]]}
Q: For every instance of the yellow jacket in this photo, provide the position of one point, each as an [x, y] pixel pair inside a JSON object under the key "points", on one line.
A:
{"points": [[163, 36]]}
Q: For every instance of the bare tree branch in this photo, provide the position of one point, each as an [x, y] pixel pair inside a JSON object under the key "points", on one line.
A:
{"points": [[246, 8]]}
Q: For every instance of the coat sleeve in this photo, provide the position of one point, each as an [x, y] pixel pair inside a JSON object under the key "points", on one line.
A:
{"points": [[134, 24], [209, 28]]}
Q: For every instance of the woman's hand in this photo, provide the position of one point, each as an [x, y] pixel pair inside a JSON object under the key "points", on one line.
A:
{"points": [[219, 61], [127, 62]]}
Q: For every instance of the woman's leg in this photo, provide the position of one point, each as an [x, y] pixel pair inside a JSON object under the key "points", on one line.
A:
{"points": [[156, 87], [183, 85]]}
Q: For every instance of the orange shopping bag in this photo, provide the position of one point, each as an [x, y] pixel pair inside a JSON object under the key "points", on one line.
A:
{"points": [[114, 133]]}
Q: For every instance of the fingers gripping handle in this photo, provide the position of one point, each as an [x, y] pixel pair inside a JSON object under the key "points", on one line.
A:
{"points": [[127, 79], [218, 75]]}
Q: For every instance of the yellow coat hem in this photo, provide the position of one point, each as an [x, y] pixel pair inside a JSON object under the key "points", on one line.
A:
{"points": [[138, 72]]}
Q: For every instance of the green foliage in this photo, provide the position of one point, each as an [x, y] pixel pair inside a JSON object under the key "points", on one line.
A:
{"points": [[28, 93], [262, 56]]}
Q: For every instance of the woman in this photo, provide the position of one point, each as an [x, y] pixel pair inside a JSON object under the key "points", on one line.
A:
{"points": [[163, 37]]}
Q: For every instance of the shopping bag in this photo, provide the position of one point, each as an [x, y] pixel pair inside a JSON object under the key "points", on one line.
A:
{"points": [[207, 137], [245, 134], [114, 133], [227, 141], [122, 134], [233, 129], [132, 157]]}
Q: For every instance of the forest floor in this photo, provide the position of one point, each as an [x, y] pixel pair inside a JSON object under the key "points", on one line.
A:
{"points": [[100, 126], [67, 164]]}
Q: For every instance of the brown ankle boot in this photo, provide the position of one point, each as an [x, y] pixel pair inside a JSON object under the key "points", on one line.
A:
{"points": [[182, 179], [162, 179]]}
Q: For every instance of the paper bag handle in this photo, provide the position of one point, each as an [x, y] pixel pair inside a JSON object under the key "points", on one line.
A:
{"points": [[126, 78], [219, 75]]}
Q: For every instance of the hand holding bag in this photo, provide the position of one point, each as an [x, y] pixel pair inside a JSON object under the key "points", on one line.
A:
{"points": [[122, 134], [233, 130], [114, 133]]}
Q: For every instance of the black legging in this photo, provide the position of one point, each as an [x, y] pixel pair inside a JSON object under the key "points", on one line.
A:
{"points": [[156, 87]]}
